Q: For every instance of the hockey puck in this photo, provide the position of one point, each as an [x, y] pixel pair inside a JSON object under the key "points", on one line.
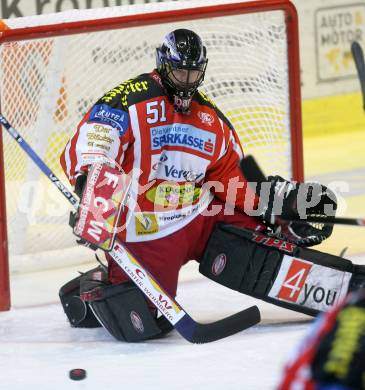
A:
{"points": [[77, 374]]}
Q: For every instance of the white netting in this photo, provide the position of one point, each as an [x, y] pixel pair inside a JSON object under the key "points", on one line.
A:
{"points": [[48, 84]]}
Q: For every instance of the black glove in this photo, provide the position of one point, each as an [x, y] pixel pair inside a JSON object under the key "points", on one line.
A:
{"points": [[292, 201]]}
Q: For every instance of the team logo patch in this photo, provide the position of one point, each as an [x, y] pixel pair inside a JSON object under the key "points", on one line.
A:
{"points": [[219, 264], [206, 118], [183, 135], [102, 113], [136, 322], [146, 224]]}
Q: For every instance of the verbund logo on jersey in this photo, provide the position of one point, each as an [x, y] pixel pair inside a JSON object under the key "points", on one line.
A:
{"points": [[171, 171], [184, 135]]}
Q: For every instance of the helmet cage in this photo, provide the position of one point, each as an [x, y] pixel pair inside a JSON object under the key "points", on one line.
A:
{"points": [[181, 62], [184, 78]]}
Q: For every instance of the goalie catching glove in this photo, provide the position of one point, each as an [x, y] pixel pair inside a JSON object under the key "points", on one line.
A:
{"points": [[103, 194], [291, 201]]}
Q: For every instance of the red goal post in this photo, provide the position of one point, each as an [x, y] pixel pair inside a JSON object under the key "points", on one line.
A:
{"points": [[55, 66]]}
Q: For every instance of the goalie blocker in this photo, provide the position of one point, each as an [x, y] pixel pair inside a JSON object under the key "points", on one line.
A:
{"points": [[103, 195], [279, 272]]}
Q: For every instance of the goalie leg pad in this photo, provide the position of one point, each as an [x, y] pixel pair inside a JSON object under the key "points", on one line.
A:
{"points": [[277, 271], [124, 312], [77, 311]]}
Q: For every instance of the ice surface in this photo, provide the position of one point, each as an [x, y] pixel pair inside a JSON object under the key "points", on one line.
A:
{"points": [[38, 347]]}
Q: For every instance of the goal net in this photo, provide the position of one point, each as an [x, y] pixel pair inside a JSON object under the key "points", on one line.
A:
{"points": [[53, 70]]}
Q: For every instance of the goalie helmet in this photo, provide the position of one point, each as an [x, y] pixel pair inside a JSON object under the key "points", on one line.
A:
{"points": [[181, 62]]}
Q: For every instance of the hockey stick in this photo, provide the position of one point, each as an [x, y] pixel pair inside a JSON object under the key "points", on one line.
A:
{"points": [[358, 56], [151, 288], [254, 174], [329, 220]]}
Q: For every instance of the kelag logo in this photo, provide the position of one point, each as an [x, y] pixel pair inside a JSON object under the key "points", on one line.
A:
{"points": [[179, 134], [102, 113], [167, 195]]}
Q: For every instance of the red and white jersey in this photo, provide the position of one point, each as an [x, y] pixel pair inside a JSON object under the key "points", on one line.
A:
{"points": [[172, 157]]}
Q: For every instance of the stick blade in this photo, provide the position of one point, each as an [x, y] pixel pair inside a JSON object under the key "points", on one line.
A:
{"points": [[206, 333]]}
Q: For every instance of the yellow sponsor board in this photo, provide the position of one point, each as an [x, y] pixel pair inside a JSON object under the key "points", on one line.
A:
{"points": [[336, 27]]}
